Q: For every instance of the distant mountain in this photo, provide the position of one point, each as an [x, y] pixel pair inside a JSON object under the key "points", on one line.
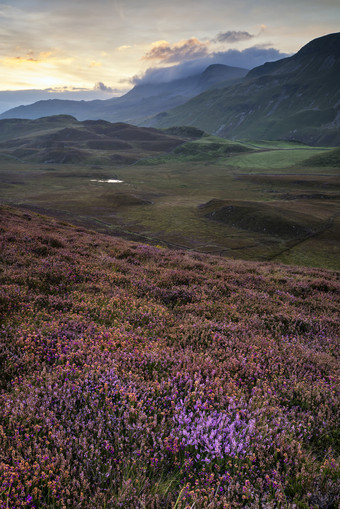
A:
{"points": [[143, 101], [296, 98], [63, 139], [14, 98]]}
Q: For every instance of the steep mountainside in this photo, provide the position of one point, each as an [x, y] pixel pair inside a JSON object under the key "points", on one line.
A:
{"points": [[296, 98], [142, 101]]}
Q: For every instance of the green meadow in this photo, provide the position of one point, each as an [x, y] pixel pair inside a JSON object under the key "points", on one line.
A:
{"points": [[198, 196]]}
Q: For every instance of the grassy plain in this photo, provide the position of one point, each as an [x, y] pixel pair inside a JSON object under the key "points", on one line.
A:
{"points": [[162, 198]]}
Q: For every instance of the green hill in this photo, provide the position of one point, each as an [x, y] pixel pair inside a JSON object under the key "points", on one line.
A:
{"points": [[331, 159], [63, 139]]}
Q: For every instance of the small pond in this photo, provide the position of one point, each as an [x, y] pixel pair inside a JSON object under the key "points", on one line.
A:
{"points": [[109, 181]]}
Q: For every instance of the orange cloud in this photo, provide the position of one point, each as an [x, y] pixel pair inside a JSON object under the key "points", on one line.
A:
{"points": [[29, 58], [183, 50], [95, 64]]}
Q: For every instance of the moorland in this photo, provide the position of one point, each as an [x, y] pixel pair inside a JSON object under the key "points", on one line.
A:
{"points": [[178, 187], [169, 298], [141, 377]]}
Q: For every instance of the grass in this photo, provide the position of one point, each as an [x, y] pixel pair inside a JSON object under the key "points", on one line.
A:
{"points": [[248, 155], [274, 159], [329, 159], [159, 200], [206, 149]]}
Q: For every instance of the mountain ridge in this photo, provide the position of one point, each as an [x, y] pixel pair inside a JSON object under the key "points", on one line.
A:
{"points": [[296, 98], [142, 101]]}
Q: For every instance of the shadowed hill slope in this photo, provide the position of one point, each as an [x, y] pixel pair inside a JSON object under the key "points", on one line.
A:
{"points": [[297, 98], [62, 139]]}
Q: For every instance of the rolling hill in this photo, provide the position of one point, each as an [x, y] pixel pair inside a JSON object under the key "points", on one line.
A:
{"points": [[63, 139], [296, 98], [143, 101]]}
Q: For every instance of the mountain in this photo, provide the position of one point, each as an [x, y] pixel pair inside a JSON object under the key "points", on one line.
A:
{"points": [[296, 98], [143, 101], [13, 98], [64, 139]]}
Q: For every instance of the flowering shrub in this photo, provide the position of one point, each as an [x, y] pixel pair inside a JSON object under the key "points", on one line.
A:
{"points": [[138, 377], [214, 435]]}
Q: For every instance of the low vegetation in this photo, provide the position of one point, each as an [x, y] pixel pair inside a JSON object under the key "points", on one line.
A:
{"points": [[261, 217], [166, 178], [138, 377], [62, 140], [141, 377], [330, 159]]}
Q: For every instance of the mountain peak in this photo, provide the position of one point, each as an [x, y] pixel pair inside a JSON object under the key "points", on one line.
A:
{"points": [[327, 44], [313, 54], [221, 68], [218, 68]]}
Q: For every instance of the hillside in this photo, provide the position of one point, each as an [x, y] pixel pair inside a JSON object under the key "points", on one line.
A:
{"points": [[178, 187], [134, 376], [143, 101], [297, 98], [63, 139]]}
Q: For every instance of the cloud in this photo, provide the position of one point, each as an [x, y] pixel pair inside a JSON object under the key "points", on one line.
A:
{"points": [[103, 88], [29, 58], [249, 57], [233, 36], [246, 59], [193, 48], [183, 50], [193, 55], [94, 63]]}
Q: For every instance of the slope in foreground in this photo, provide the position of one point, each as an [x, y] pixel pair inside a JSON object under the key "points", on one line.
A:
{"points": [[138, 377]]}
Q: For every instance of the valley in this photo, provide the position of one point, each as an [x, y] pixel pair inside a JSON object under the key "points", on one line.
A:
{"points": [[169, 281], [253, 200]]}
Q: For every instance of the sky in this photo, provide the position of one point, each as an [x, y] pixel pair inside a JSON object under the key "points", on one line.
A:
{"points": [[90, 49]]}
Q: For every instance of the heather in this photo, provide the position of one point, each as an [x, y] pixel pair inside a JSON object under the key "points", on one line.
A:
{"points": [[139, 377]]}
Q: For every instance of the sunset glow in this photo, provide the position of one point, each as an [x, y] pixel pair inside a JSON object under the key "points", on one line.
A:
{"points": [[78, 43]]}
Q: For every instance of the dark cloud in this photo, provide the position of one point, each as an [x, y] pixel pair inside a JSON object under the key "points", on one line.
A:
{"points": [[250, 57], [103, 88], [183, 50], [247, 59], [165, 74], [233, 36], [192, 56]]}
